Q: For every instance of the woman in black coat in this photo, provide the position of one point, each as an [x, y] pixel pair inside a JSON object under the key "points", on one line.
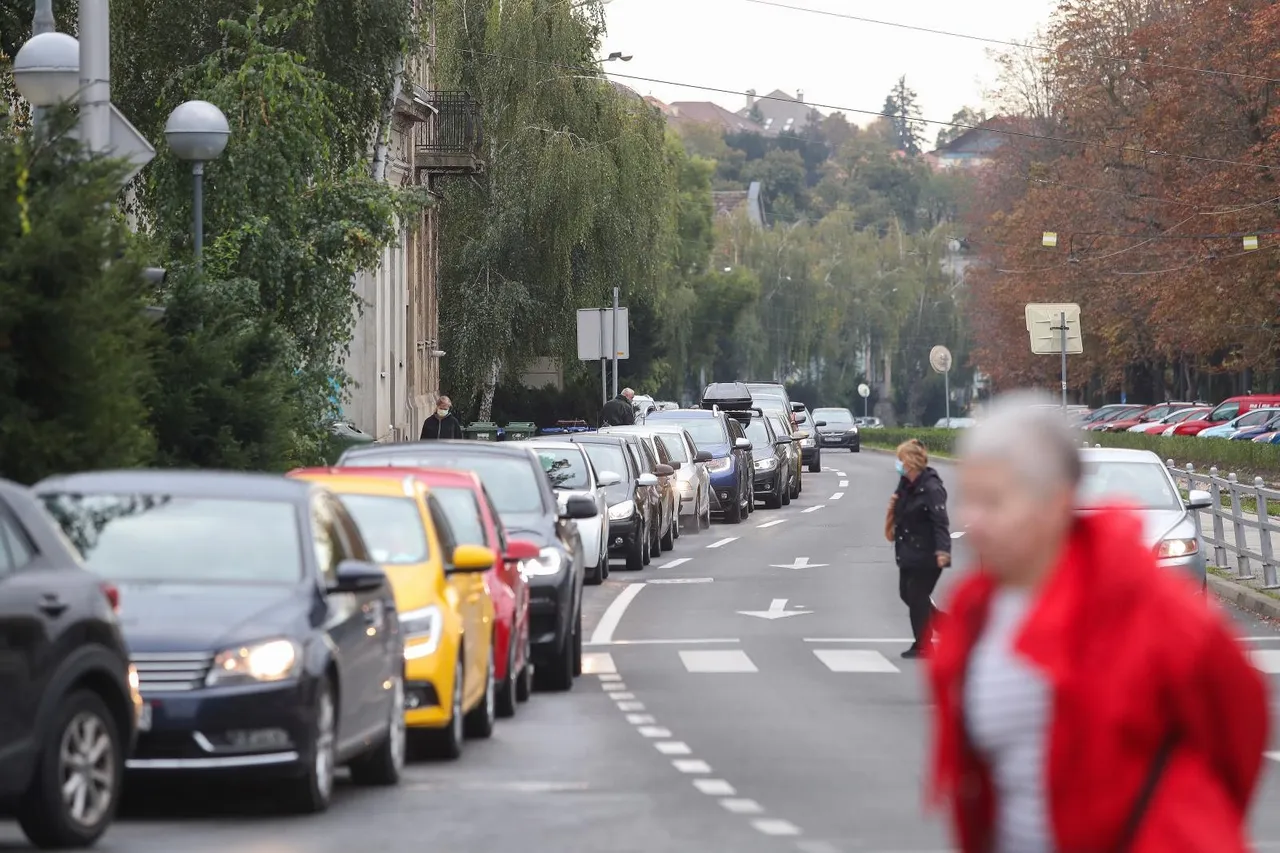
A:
{"points": [[920, 531]]}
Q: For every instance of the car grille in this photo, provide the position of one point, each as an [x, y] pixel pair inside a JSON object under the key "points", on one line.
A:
{"points": [[172, 671]]}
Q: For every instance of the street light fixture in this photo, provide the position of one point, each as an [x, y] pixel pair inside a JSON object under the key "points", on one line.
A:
{"points": [[198, 132], [619, 56], [46, 70]]}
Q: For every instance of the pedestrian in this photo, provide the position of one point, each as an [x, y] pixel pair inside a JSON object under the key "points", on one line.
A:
{"points": [[619, 411], [1079, 689], [442, 424], [917, 525]]}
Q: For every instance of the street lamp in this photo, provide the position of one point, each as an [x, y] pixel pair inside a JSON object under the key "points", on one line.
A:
{"points": [[197, 131], [46, 70], [618, 56]]}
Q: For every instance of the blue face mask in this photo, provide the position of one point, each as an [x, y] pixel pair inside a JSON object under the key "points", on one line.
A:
{"points": [[902, 469]]}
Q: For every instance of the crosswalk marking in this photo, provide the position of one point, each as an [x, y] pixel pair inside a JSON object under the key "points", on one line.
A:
{"points": [[734, 660], [742, 806], [844, 484], [854, 660], [1267, 660], [773, 826]]}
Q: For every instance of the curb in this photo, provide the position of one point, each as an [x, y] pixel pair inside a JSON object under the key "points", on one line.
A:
{"points": [[1245, 598]]}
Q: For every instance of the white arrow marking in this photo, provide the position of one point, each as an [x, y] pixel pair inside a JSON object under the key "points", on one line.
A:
{"points": [[801, 563], [777, 610], [815, 508], [844, 484], [837, 496], [773, 523]]}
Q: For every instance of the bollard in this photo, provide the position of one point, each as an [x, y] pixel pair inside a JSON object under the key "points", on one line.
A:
{"points": [[1242, 541], [1219, 535], [1264, 534]]}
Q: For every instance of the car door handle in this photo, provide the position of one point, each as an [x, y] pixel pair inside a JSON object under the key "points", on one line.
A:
{"points": [[52, 605]]}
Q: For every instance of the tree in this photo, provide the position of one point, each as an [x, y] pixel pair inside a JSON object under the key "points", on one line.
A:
{"points": [[902, 111], [968, 118]]}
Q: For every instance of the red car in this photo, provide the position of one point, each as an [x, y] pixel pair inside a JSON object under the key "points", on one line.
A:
{"points": [[474, 520], [1167, 423], [1149, 415]]}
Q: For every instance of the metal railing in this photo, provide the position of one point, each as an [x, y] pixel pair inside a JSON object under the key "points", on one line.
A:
{"points": [[1233, 532], [456, 127]]}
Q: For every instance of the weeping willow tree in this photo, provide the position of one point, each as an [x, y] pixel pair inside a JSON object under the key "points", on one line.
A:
{"points": [[578, 195]]}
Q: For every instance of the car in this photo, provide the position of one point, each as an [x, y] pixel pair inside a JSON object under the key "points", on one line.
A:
{"points": [[655, 459], [795, 464], [572, 473], [868, 423], [1252, 431], [763, 390], [1251, 418], [1109, 415], [1227, 411], [841, 429], [635, 503], [266, 640], [730, 468], [955, 423], [692, 480], [71, 706], [810, 451], [771, 462], [446, 614], [777, 407], [1165, 425], [527, 505], [1148, 416], [1138, 478]]}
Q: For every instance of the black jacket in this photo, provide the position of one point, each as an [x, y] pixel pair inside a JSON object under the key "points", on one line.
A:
{"points": [[446, 427], [618, 412], [920, 525]]}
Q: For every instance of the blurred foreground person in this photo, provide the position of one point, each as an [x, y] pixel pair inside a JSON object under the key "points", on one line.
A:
{"points": [[1085, 700], [917, 525]]}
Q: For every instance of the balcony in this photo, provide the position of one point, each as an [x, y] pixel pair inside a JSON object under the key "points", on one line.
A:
{"points": [[451, 142]]}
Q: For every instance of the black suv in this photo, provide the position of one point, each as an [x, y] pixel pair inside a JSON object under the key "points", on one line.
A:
{"points": [[69, 702], [771, 461]]}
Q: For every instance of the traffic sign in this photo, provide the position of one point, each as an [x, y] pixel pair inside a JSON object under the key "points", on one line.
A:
{"points": [[864, 390], [940, 359], [595, 334], [1046, 327]]}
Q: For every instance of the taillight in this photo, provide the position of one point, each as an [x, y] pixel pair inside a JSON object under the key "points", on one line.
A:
{"points": [[113, 596]]}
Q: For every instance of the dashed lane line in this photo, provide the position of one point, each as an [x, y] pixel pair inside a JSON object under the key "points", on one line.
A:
{"points": [[672, 564], [738, 806], [773, 523], [815, 508], [837, 496], [773, 826], [844, 484], [723, 542], [714, 787]]}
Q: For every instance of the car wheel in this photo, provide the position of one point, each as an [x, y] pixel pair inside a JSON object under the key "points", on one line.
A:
{"points": [[635, 551], [733, 511], [784, 497], [675, 524], [705, 521], [78, 776], [594, 577], [648, 546], [313, 791], [815, 467], [384, 763], [558, 676], [774, 501], [604, 558], [668, 541], [446, 743], [479, 723], [524, 688]]}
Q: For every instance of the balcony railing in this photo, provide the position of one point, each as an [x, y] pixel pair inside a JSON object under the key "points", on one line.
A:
{"points": [[452, 142]]}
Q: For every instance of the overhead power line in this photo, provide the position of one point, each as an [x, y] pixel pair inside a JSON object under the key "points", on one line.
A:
{"points": [[1006, 43]]}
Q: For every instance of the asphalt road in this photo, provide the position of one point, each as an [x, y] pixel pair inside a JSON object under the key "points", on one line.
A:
{"points": [[698, 728]]}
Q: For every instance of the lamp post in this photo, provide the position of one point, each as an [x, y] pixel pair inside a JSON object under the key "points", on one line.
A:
{"points": [[197, 131], [46, 70]]}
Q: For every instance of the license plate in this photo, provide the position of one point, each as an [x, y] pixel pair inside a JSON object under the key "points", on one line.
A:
{"points": [[144, 718]]}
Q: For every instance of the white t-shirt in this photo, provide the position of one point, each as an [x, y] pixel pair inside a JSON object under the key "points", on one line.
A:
{"points": [[1007, 712]]}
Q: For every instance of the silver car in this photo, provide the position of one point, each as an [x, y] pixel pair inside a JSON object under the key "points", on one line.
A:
{"points": [[1139, 479], [693, 481], [571, 473]]}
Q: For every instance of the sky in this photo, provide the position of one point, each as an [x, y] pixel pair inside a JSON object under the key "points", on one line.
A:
{"points": [[738, 45]]}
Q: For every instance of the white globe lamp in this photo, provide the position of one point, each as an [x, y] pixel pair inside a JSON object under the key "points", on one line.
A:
{"points": [[46, 70]]}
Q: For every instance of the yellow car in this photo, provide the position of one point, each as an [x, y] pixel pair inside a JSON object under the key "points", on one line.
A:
{"points": [[446, 614]]}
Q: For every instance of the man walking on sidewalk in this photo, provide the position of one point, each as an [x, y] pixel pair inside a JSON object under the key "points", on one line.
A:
{"points": [[619, 411], [442, 424]]}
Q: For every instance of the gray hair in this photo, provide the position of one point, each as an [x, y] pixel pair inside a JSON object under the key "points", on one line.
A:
{"points": [[1027, 430]]}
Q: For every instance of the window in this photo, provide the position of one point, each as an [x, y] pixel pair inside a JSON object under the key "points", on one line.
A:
{"points": [[659, 451], [608, 457], [512, 480], [704, 430], [1225, 412], [15, 548], [352, 540], [779, 428], [444, 531], [833, 416], [1255, 418], [392, 528], [565, 469], [463, 512], [675, 446], [758, 433], [155, 537], [493, 514]]}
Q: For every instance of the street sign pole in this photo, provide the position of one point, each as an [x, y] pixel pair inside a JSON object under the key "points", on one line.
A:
{"points": [[1063, 321], [946, 384], [1055, 326], [613, 342], [940, 360], [864, 391], [604, 365]]}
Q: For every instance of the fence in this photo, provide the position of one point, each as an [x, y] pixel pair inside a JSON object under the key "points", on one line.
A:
{"points": [[1233, 532]]}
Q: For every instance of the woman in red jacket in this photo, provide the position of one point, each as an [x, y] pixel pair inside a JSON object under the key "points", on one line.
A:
{"points": [[1085, 700]]}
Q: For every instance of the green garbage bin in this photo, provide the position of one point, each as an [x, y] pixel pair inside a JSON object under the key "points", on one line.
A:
{"points": [[344, 435], [519, 430], [482, 431]]}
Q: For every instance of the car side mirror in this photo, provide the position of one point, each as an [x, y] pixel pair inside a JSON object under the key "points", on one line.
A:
{"points": [[819, 423], [783, 442], [471, 559], [1199, 499], [703, 456], [741, 444], [579, 507], [646, 479], [608, 478], [521, 549], [663, 470], [358, 576]]}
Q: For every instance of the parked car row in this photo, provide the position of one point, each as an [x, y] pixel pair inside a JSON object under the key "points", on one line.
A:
{"points": [[1245, 418]]}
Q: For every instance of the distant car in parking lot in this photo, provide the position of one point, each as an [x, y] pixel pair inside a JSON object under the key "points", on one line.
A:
{"points": [[841, 429], [69, 701], [266, 640]]}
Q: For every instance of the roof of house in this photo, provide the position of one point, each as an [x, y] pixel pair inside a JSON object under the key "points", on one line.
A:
{"points": [[729, 202], [705, 112], [984, 139], [779, 112]]}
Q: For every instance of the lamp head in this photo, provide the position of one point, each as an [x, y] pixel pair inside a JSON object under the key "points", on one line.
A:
{"points": [[198, 131], [46, 70]]}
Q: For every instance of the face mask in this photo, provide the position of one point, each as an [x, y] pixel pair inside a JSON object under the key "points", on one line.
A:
{"points": [[902, 469], [442, 412]]}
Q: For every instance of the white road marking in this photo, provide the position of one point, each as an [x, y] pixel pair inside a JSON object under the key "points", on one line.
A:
{"points": [[773, 826], [654, 731], [613, 615], [613, 685], [734, 660], [837, 496], [828, 847], [743, 806], [800, 563], [1267, 660], [679, 561], [714, 787], [777, 610], [844, 484], [682, 580], [841, 474], [1274, 756], [673, 747], [595, 663], [630, 706], [723, 542], [623, 697], [609, 676], [640, 719], [854, 660], [877, 641], [713, 641], [691, 765], [815, 508], [1275, 639], [773, 523]]}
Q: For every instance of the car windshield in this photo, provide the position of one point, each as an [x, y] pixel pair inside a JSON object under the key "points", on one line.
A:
{"points": [[566, 469], [1144, 484], [392, 528], [1184, 415], [675, 446], [606, 457], [154, 537], [463, 513], [705, 431], [833, 416], [511, 481], [758, 433]]}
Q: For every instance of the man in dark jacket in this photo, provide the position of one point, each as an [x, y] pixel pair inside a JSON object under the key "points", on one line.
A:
{"points": [[619, 411], [442, 424]]}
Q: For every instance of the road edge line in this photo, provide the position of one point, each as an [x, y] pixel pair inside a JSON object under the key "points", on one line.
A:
{"points": [[603, 634]]}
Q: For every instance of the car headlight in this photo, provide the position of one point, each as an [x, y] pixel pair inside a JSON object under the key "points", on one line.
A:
{"points": [[767, 464], [1171, 548], [806, 442], [685, 486], [550, 561], [272, 660], [717, 466], [620, 511], [422, 629], [853, 431]]}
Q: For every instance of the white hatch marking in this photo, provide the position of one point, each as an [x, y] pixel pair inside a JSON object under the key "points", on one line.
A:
{"points": [[773, 523], [673, 747], [837, 496], [854, 660], [613, 615], [723, 542], [815, 508], [671, 564], [654, 731], [595, 663], [714, 787], [733, 660]]}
